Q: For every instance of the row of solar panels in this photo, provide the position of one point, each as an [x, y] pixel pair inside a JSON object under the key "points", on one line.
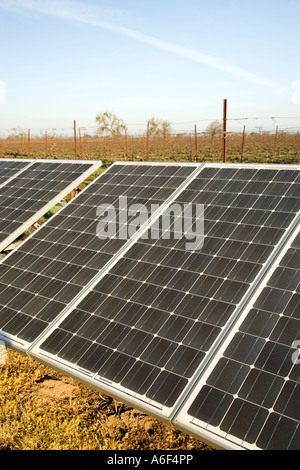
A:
{"points": [[206, 339]]}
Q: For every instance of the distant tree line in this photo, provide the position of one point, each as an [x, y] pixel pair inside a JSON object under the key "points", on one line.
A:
{"points": [[111, 125]]}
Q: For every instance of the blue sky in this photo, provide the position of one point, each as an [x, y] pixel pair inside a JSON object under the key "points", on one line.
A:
{"points": [[63, 60]]}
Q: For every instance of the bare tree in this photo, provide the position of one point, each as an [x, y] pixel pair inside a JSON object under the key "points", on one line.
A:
{"points": [[159, 127], [214, 128], [110, 124]]}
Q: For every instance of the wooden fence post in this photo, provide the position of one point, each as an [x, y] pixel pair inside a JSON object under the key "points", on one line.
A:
{"points": [[148, 137]]}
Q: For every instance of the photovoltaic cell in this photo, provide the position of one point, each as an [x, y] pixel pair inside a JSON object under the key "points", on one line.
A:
{"points": [[251, 395], [167, 329], [9, 167], [161, 309], [51, 268], [33, 191]]}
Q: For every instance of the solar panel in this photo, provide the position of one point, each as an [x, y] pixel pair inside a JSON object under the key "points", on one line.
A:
{"points": [[150, 323], [9, 167], [30, 193], [147, 320], [49, 270], [249, 396]]}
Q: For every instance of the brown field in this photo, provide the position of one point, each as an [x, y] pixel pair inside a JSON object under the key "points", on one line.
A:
{"points": [[261, 147]]}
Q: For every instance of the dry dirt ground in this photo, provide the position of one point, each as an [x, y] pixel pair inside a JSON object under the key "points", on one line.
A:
{"points": [[41, 409]]}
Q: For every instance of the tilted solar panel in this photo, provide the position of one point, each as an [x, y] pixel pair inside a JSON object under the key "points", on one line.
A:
{"points": [[49, 270], [147, 327], [146, 320], [30, 193]]}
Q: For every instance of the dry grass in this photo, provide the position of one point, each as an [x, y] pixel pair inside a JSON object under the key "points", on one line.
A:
{"points": [[41, 409], [261, 147]]}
